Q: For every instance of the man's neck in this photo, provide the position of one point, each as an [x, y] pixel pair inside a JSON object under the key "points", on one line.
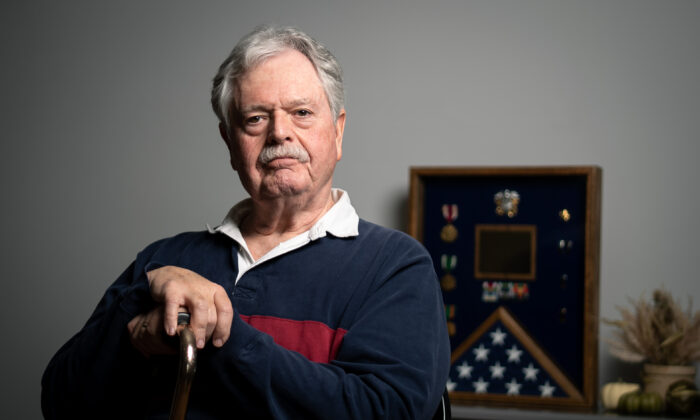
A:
{"points": [[271, 222]]}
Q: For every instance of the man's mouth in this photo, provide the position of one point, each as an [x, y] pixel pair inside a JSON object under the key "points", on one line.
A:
{"points": [[282, 161]]}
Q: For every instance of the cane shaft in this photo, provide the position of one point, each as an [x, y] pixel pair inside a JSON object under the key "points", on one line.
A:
{"points": [[186, 369]]}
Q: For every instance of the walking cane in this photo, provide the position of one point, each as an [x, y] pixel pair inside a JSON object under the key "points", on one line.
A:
{"points": [[186, 369]]}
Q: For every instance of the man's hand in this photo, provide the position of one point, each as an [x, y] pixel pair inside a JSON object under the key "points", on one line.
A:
{"points": [[147, 334], [207, 302]]}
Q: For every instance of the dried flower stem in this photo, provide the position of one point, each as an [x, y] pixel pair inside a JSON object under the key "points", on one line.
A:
{"points": [[658, 332]]}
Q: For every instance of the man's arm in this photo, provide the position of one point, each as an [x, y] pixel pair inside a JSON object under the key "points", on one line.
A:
{"points": [[86, 373]]}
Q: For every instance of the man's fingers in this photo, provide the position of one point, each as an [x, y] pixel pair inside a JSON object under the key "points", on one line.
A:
{"points": [[131, 326], [224, 318], [199, 321], [170, 316], [207, 302], [136, 332], [146, 333]]}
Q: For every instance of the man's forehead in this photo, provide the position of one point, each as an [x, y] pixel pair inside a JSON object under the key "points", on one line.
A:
{"points": [[287, 79]]}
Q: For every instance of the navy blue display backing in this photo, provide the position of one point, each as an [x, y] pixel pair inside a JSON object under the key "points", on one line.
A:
{"points": [[541, 200]]}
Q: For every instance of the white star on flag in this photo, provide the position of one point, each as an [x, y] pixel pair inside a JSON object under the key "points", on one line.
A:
{"points": [[482, 353], [465, 371], [514, 354], [498, 363], [513, 387], [451, 385], [498, 337], [530, 372], [480, 386], [497, 370], [546, 390]]}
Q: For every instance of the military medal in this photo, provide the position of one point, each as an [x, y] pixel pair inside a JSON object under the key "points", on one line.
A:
{"points": [[450, 315], [490, 291], [507, 290], [449, 231], [565, 215], [507, 203], [448, 281], [522, 291]]}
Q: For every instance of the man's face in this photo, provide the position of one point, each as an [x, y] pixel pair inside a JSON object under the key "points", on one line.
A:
{"points": [[283, 140]]}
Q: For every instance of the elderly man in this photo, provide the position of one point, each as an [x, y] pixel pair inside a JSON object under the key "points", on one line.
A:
{"points": [[300, 308]]}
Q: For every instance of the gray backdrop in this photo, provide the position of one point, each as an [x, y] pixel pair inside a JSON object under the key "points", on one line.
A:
{"points": [[108, 141]]}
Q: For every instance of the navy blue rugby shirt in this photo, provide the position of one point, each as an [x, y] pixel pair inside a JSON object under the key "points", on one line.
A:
{"points": [[342, 327]]}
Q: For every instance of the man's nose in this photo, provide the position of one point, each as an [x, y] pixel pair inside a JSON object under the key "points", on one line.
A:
{"points": [[280, 128]]}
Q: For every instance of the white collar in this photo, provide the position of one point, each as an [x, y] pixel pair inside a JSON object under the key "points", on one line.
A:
{"points": [[340, 221]]}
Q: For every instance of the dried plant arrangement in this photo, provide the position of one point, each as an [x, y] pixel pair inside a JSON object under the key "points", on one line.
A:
{"points": [[658, 332]]}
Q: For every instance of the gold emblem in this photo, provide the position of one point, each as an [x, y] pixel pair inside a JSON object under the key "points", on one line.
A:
{"points": [[448, 233], [448, 282], [507, 203], [565, 215]]}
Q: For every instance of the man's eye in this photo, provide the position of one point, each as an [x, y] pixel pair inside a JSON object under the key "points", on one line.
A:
{"points": [[303, 113], [253, 120]]}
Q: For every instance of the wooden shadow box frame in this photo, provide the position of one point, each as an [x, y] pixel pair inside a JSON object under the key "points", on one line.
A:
{"points": [[552, 319]]}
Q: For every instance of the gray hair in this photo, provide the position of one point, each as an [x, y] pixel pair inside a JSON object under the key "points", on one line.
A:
{"points": [[263, 43]]}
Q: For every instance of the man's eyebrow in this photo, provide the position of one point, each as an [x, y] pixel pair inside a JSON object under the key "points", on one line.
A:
{"points": [[289, 104], [252, 108], [297, 102]]}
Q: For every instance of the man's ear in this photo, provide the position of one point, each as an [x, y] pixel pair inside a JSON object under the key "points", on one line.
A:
{"points": [[339, 129], [226, 137], [223, 132]]}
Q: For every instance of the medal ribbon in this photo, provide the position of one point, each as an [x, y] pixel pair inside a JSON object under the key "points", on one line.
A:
{"points": [[449, 212], [448, 262], [521, 289]]}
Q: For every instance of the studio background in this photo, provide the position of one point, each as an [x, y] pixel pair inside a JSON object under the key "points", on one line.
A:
{"points": [[109, 141]]}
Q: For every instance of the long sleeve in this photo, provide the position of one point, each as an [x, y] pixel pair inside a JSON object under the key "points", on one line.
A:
{"points": [[98, 368]]}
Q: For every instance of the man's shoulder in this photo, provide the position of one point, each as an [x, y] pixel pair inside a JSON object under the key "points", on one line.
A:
{"points": [[366, 227], [189, 241], [389, 251], [372, 233]]}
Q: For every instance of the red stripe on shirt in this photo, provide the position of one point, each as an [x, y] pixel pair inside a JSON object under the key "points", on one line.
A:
{"points": [[315, 340]]}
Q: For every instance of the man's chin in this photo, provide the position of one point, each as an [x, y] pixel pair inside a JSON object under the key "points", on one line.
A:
{"points": [[284, 183]]}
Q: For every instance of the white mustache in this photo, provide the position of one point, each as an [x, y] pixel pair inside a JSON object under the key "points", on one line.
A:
{"points": [[284, 150]]}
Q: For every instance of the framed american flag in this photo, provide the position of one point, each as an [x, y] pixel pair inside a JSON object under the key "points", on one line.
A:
{"points": [[517, 253]]}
